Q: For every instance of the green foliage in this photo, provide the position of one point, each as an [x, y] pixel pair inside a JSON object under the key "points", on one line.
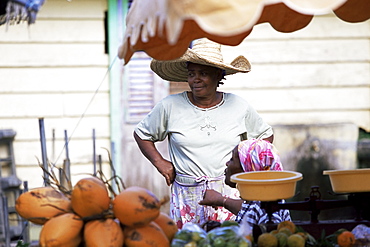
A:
{"points": [[363, 134], [21, 244], [327, 241]]}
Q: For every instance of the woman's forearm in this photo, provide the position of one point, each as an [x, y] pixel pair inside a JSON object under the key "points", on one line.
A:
{"points": [[148, 149], [216, 199], [233, 205]]}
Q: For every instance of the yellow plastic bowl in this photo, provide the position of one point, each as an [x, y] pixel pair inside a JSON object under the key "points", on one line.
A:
{"points": [[349, 181], [266, 185]]}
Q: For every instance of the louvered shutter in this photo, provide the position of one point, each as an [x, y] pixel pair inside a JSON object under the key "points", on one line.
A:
{"points": [[140, 88]]}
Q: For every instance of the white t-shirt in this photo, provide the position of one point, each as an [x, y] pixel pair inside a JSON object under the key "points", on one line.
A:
{"points": [[201, 140]]}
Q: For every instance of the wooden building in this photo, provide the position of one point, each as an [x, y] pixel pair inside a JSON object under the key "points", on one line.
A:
{"points": [[63, 69]]}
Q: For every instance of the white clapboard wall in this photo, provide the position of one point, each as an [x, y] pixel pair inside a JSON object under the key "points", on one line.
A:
{"points": [[317, 75], [51, 70]]}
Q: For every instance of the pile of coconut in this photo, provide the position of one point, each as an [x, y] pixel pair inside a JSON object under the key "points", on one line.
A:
{"points": [[93, 215]]}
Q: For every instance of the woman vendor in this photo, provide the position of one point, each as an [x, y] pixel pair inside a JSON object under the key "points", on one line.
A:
{"points": [[202, 126]]}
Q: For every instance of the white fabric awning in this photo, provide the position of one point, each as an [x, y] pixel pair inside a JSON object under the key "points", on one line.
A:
{"points": [[165, 28]]}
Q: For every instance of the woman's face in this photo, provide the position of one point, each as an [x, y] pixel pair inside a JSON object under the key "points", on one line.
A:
{"points": [[232, 167], [203, 80]]}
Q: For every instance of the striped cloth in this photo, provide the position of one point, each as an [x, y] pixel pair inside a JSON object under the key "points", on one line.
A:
{"points": [[255, 215]]}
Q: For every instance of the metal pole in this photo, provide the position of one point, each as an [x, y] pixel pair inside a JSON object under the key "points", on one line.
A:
{"points": [[53, 147], [26, 234], [6, 220], [67, 169], [66, 174], [113, 152], [100, 162], [43, 150], [94, 153], [66, 144]]}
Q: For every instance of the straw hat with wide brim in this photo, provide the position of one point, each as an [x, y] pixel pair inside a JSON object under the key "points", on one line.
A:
{"points": [[205, 52]]}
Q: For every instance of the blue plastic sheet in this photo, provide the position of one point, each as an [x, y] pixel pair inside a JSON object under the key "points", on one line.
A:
{"points": [[17, 11]]}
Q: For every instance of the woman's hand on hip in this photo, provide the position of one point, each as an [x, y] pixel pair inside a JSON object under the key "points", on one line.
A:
{"points": [[151, 153], [167, 170]]}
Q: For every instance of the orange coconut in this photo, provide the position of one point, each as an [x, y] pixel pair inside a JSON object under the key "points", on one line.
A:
{"points": [[90, 197], [40, 204], [62, 230], [167, 224], [136, 206], [147, 236], [104, 232]]}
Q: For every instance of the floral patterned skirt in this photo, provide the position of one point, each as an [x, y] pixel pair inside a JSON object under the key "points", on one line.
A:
{"points": [[184, 205]]}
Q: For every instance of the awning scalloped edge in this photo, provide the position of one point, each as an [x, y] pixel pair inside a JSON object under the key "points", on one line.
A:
{"points": [[165, 28]]}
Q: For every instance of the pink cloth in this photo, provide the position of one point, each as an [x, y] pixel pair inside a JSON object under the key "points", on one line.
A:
{"points": [[258, 155]]}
